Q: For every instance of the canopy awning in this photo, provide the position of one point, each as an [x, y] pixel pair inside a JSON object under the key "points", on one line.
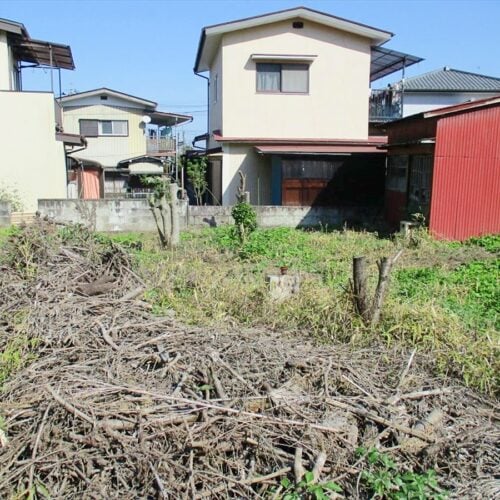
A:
{"points": [[304, 149], [151, 161], [385, 62], [54, 55], [85, 163], [163, 119]]}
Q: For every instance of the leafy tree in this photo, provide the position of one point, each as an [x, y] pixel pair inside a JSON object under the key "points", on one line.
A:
{"points": [[196, 169]]}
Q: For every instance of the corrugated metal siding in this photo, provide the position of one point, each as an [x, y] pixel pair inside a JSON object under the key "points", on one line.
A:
{"points": [[410, 130], [466, 184]]}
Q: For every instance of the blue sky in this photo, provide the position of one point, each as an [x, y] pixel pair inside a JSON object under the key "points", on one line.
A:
{"points": [[147, 47]]}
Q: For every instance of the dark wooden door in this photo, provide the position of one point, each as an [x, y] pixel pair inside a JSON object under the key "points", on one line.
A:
{"points": [[302, 192]]}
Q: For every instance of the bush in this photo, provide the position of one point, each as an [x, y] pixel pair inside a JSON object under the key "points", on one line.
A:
{"points": [[245, 220]]}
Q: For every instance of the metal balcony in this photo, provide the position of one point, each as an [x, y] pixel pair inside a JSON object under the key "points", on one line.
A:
{"points": [[160, 145], [385, 105]]}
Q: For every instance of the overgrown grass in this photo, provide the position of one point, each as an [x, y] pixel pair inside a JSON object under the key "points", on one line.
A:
{"points": [[443, 299]]}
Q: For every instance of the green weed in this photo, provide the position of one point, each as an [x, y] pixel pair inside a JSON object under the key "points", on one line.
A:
{"points": [[306, 489], [443, 297], [383, 479]]}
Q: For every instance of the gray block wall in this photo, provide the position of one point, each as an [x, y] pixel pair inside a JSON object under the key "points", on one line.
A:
{"points": [[134, 215], [5, 211]]}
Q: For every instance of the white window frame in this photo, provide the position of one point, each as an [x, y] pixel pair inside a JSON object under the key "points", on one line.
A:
{"points": [[282, 65], [113, 133]]}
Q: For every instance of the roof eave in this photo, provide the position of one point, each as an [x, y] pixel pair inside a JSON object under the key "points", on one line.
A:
{"points": [[377, 36], [111, 92]]}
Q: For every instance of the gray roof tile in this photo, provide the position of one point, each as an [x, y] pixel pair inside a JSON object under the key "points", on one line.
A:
{"points": [[452, 80]]}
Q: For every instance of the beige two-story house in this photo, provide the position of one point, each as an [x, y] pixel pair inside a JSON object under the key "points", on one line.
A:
{"points": [[126, 137], [288, 106], [32, 141]]}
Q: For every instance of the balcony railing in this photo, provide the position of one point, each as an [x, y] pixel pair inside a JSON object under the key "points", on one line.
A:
{"points": [[155, 145], [385, 105]]}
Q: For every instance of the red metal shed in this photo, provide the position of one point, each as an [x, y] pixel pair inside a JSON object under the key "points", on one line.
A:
{"points": [[445, 163]]}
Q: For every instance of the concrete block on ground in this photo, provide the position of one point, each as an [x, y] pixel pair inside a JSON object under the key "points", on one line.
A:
{"points": [[282, 286]]}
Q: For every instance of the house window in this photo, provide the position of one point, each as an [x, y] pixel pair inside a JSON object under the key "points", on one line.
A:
{"points": [[95, 128], [283, 78], [216, 87], [113, 127]]}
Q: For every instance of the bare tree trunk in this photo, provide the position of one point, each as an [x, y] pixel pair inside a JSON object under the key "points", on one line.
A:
{"points": [[359, 287], [371, 314], [174, 214], [243, 196], [384, 270]]}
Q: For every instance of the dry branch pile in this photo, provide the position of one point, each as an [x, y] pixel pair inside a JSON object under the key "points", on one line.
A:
{"points": [[124, 404]]}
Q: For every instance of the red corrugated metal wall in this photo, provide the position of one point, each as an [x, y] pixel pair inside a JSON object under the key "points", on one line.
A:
{"points": [[466, 184]]}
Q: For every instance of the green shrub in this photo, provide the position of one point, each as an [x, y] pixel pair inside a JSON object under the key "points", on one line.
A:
{"points": [[245, 220], [383, 479]]}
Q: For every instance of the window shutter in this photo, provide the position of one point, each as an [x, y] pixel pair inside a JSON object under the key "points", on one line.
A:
{"points": [[89, 128]]}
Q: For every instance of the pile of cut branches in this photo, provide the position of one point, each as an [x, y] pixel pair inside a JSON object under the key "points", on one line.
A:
{"points": [[120, 403]]}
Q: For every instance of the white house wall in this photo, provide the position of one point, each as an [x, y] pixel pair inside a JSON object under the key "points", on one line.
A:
{"points": [[336, 106], [215, 96], [108, 150], [5, 62], [418, 102], [32, 161], [257, 169]]}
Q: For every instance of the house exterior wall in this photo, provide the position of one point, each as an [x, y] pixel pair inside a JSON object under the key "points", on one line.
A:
{"points": [[336, 105], [108, 150], [257, 168], [32, 162], [466, 183], [417, 102], [216, 91], [7, 62]]}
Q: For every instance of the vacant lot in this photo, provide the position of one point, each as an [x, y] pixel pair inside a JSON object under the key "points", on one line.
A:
{"points": [[444, 297], [104, 394]]}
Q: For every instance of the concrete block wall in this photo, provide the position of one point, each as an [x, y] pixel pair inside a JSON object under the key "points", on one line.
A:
{"points": [[5, 211], [134, 215], [104, 215]]}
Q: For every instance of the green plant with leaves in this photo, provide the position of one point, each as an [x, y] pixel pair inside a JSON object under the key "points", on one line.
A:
{"points": [[245, 220], [196, 169], [307, 488], [383, 479]]}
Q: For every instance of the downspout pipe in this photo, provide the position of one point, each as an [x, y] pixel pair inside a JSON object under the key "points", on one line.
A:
{"points": [[208, 102]]}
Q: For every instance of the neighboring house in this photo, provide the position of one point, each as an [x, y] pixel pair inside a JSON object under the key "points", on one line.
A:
{"points": [[127, 136], [32, 151], [288, 106], [442, 87], [445, 164]]}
